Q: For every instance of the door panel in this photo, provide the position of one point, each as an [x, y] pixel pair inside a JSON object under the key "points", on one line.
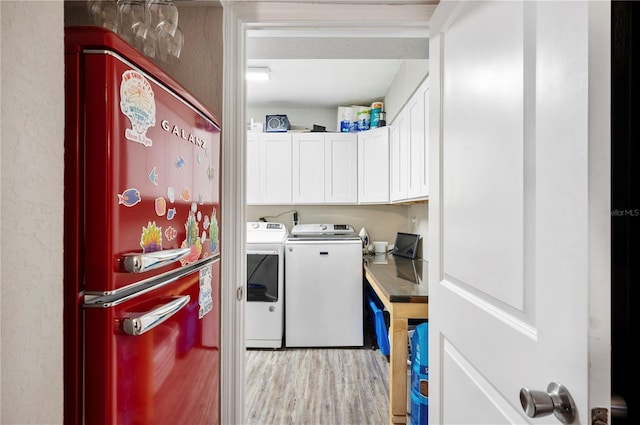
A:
{"points": [[341, 174], [495, 412], [168, 374], [308, 168], [518, 208], [480, 142]]}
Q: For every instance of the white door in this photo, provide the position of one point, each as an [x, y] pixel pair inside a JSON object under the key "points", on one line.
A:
{"points": [[519, 208]]}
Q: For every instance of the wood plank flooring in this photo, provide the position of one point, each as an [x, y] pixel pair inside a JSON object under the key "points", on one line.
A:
{"points": [[317, 386]]}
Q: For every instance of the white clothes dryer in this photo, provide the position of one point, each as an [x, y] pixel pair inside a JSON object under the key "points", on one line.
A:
{"points": [[264, 312]]}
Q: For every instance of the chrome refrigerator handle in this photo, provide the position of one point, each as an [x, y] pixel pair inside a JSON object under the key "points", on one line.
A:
{"points": [[141, 262], [146, 321]]}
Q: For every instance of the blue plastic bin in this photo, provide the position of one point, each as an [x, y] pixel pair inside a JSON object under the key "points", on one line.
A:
{"points": [[382, 334]]}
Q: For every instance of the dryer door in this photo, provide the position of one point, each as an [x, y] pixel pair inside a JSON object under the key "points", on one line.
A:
{"points": [[262, 277]]}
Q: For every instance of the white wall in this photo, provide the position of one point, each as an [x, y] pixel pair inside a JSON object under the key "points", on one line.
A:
{"points": [[32, 132], [407, 80], [381, 221], [411, 73], [418, 217], [200, 67], [299, 118]]}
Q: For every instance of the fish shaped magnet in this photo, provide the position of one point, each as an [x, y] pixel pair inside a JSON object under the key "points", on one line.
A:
{"points": [[129, 197]]}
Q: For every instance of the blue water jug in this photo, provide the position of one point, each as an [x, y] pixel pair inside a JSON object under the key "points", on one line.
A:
{"points": [[420, 375]]}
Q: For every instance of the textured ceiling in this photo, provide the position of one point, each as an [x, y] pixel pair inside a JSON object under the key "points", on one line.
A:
{"points": [[327, 70]]}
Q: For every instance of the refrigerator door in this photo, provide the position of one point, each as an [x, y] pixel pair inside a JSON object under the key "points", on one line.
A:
{"points": [[146, 161], [153, 357], [142, 204]]}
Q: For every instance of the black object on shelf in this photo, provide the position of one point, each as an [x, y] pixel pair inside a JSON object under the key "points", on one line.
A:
{"points": [[319, 129]]}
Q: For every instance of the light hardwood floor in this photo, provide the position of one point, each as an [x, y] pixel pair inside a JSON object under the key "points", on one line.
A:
{"points": [[318, 386]]}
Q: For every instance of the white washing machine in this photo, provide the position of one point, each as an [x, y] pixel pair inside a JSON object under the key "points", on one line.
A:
{"points": [[324, 289], [264, 312]]}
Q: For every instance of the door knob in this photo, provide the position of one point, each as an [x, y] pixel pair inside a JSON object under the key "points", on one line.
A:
{"points": [[556, 400]]}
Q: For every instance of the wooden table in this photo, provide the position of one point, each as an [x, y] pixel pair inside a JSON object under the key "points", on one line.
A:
{"points": [[400, 285]]}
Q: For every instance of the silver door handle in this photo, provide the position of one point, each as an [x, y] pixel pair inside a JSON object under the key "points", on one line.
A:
{"points": [[556, 400], [618, 406], [146, 321], [141, 262]]}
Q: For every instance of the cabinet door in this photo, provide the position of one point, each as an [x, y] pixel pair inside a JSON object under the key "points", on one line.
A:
{"points": [[308, 168], [424, 178], [341, 168], [275, 168], [373, 166], [253, 167], [415, 162], [398, 157]]}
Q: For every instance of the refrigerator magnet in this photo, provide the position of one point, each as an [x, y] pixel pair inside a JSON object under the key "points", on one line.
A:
{"points": [[137, 102], [205, 300], [153, 176], [161, 206], [151, 238], [170, 233], [129, 197]]}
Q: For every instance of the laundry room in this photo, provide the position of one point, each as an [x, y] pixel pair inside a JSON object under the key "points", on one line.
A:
{"points": [[337, 215]]}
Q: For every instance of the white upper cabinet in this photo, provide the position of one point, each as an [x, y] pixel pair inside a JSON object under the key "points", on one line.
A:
{"points": [[424, 91], [253, 167], [268, 168], [373, 166], [377, 166], [308, 168], [408, 149], [302, 168], [415, 163], [341, 168], [399, 157]]}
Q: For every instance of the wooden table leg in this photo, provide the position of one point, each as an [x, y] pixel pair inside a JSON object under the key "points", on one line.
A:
{"points": [[398, 370]]}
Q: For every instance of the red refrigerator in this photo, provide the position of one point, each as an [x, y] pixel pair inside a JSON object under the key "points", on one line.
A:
{"points": [[141, 249]]}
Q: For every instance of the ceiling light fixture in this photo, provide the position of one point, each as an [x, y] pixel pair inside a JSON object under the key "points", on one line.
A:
{"points": [[258, 74]]}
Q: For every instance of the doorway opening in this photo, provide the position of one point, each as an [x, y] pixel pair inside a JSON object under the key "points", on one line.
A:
{"points": [[240, 19]]}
